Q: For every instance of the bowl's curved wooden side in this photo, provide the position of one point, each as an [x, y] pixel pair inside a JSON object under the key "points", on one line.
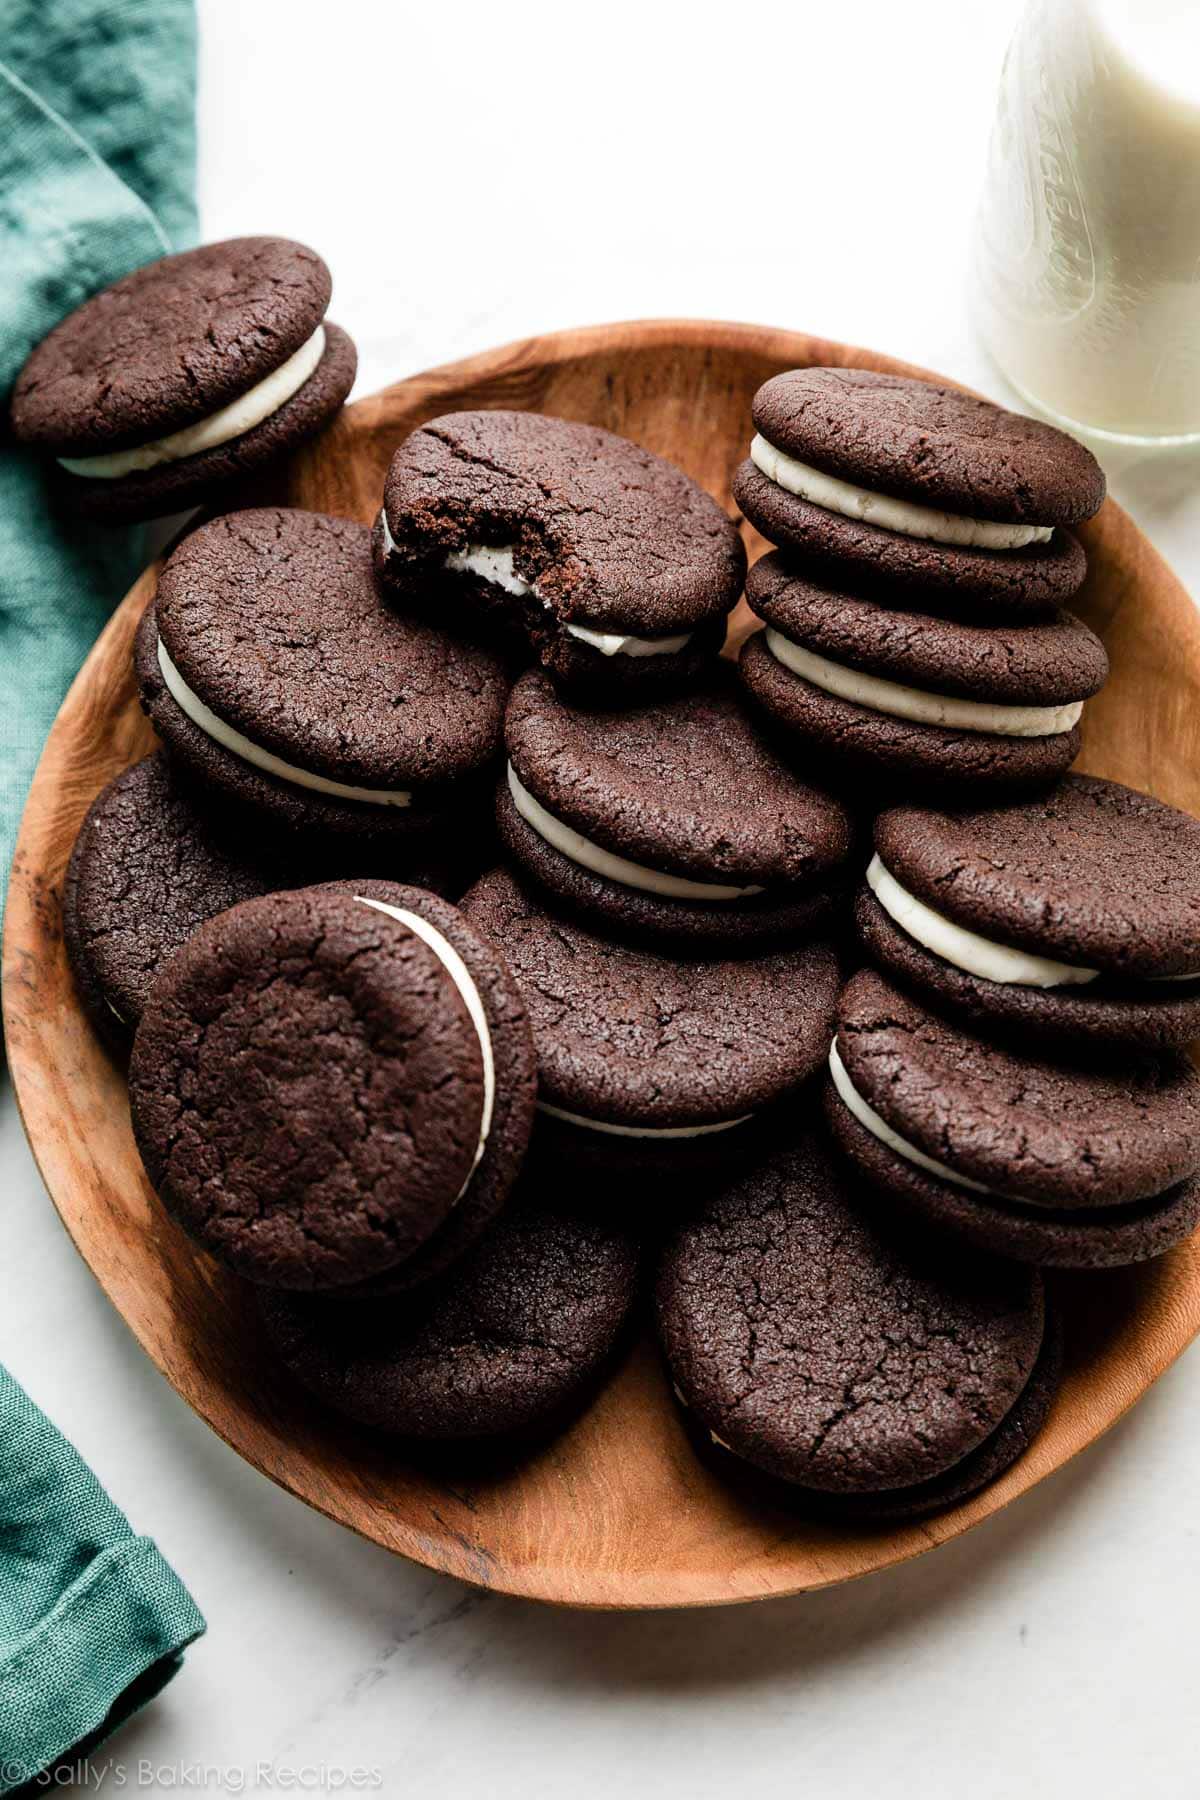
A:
{"points": [[617, 1511]]}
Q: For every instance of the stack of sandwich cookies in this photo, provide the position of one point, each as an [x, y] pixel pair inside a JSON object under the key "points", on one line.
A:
{"points": [[1076, 1165], [334, 1085], [650, 1063], [615, 568], [152, 861], [507, 1341], [858, 1370], [918, 489], [186, 377], [892, 694], [1073, 918], [274, 671], [673, 820]]}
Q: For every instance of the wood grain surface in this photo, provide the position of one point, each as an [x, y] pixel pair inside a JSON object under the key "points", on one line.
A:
{"points": [[616, 1512]]}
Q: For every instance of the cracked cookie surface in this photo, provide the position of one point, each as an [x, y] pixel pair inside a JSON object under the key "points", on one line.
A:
{"points": [[637, 1038], [273, 620], [603, 534], [931, 445], [689, 786], [154, 859], [307, 1085], [504, 1342], [828, 1353], [149, 866], [169, 344], [1092, 873], [1056, 1135]]}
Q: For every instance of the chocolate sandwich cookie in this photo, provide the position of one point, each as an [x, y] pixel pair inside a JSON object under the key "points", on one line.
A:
{"points": [[673, 820], [918, 487], [334, 1084], [507, 1341], [899, 696], [646, 1060], [1071, 919], [274, 671], [837, 1356], [152, 862], [1078, 1165], [610, 562], [182, 379]]}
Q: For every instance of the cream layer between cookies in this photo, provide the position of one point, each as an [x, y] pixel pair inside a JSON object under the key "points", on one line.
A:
{"points": [[494, 563], [460, 975], [978, 955], [917, 704], [571, 843], [232, 421], [640, 1131], [870, 1120], [903, 516], [207, 721]]}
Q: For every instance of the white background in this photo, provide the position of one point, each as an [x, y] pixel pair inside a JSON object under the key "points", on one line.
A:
{"points": [[474, 174]]}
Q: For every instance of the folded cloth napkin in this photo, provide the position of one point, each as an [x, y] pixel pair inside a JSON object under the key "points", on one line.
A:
{"points": [[97, 176], [92, 1620]]}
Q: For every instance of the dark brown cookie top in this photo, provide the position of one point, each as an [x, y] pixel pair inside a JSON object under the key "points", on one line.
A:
{"points": [[1048, 661], [637, 1038], [951, 579], [273, 618], [1050, 1134], [688, 785], [930, 444], [308, 1086], [1077, 1237], [772, 920], [615, 537], [149, 866], [226, 470], [169, 344], [504, 1342], [828, 1353], [1091, 873]]}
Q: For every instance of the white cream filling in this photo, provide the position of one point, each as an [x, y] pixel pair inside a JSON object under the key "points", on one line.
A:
{"points": [[494, 563], [903, 516], [581, 850], [879, 1128], [234, 420], [229, 739], [460, 975], [623, 643], [966, 949], [923, 708], [640, 1131], [978, 955]]}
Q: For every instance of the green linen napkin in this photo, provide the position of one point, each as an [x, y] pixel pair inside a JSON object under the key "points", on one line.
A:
{"points": [[92, 1620], [97, 176]]}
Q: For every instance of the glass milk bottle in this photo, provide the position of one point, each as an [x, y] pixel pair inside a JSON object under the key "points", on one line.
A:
{"points": [[1086, 262]]}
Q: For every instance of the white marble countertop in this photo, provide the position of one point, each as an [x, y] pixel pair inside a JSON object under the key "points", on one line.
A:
{"points": [[475, 174]]}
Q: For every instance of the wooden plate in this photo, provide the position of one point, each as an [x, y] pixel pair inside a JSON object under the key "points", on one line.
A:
{"points": [[617, 1512]]}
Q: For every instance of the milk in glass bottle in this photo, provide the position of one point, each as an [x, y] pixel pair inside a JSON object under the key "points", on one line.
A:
{"points": [[1086, 264]]}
